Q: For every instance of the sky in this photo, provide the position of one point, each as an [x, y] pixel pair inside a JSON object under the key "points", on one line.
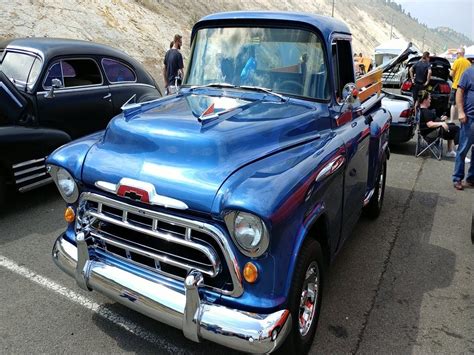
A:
{"points": [[455, 14]]}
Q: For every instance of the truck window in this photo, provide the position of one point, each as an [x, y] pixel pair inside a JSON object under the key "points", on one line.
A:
{"points": [[342, 64], [286, 60]]}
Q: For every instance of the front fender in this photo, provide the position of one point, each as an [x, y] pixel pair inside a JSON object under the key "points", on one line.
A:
{"points": [[71, 156], [282, 190]]}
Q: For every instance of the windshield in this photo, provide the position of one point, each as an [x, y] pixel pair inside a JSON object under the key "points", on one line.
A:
{"points": [[287, 61], [23, 69]]}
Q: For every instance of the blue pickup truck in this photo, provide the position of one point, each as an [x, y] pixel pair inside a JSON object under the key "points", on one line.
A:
{"points": [[216, 210]]}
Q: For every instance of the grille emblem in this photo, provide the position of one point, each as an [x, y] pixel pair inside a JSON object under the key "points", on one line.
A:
{"points": [[134, 193]]}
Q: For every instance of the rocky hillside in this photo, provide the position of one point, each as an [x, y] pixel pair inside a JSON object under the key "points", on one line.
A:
{"points": [[144, 28]]}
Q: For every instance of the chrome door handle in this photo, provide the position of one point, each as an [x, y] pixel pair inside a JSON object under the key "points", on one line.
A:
{"points": [[109, 95]]}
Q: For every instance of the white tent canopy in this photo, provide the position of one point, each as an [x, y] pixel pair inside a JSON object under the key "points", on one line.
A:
{"points": [[394, 46]]}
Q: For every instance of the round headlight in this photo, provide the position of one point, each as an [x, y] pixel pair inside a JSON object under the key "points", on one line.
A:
{"points": [[248, 231], [66, 183]]}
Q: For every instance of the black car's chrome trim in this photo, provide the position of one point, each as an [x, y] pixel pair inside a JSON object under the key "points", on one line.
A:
{"points": [[28, 162], [36, 185], [31, 177]]}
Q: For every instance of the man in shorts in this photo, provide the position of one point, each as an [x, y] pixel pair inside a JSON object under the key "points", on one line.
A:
{"points": [[420, 75], [458, 67]]}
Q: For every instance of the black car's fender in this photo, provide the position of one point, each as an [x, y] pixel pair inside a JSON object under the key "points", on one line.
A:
{"points": [[23, 148]]}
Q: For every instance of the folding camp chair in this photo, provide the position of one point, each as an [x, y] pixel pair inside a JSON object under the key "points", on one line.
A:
{"points": [[432, 141]]}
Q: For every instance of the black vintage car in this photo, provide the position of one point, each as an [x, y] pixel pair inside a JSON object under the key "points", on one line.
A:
{"points": [[438, 87], [55, 90]]}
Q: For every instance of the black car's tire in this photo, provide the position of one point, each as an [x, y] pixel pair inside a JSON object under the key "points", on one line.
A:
{"points": [[3, 192], [374, 207], [305, 299]]}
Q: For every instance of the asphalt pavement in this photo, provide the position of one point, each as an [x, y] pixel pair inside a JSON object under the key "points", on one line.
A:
{"points": [[402, 284]]}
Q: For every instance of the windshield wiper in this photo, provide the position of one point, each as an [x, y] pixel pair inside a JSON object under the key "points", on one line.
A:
{"points": [[265, 90], [213, 85]]}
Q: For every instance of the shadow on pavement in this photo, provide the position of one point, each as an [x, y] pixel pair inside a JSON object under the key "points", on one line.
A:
{"points": [[371, 303]]}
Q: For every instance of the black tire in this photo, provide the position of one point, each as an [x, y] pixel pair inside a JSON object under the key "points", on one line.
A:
{"points": [[374, 207], [3, 192], [310, 264]]}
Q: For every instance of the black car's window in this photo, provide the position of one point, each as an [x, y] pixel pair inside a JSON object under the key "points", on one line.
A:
{"points": [[117, 72], [73, 73], [18, 66], [34, 72]]}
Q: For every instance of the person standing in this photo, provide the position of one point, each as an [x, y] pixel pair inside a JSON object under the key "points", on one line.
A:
{"points": [[173, 70], [457, 69], [420, 75], [465, 106]]}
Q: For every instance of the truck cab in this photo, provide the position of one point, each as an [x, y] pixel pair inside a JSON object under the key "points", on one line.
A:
{"points": [[217, 210]]}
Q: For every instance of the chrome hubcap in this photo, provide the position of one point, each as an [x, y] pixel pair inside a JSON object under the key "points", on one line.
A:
{"points": [[309, 298]]}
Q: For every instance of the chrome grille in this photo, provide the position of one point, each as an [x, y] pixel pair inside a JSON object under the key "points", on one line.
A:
{"points": [[159, 242]]}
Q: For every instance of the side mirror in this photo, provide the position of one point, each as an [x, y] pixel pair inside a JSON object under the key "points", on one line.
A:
{"points": [[349, 93], [55, 84]]}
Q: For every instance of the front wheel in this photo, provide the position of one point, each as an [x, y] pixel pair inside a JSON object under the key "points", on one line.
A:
{"points": [[305, 299], [374, 207]]}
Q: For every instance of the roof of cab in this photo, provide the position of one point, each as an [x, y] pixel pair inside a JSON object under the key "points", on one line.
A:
{"points": [[49, 48], [326, 25]]}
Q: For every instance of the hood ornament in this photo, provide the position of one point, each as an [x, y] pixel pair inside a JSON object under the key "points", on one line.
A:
{"points": [[142, 191]]}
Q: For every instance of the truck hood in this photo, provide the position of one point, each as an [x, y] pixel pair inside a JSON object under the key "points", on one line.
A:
{"points": [[165, 143]]}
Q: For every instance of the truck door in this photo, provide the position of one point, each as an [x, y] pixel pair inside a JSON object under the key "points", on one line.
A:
{"points": [[82, 104], [354, 130]]}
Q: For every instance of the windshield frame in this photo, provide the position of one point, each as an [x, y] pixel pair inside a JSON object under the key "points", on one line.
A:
{"points": [[20, 84], [275, 24]]}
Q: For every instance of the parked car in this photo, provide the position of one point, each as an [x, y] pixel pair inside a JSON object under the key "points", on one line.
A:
{"points": [[401, 108], [439, 86], [402, 126], [56, 90], [216, 209]]}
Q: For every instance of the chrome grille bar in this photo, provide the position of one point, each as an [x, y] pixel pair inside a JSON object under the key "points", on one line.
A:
{"points": [[149, 226], [161, 258], [166, 237]]}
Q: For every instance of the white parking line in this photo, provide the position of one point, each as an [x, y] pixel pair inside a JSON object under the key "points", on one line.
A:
{"points": [[88, 303]]}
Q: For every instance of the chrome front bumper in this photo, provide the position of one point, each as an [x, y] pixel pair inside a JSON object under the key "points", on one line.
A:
{"points": [[198, 319]]}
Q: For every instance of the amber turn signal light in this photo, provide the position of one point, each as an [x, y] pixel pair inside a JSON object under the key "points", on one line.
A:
{"points": [[250, 273], [69, 215]]}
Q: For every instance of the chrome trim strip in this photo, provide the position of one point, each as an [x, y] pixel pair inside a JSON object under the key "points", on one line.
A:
{"points": [[75, 88], [36, 185], [128, 83], [222, 241], [182, 309], [29, 170], [28, 162], [31, 177]]}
